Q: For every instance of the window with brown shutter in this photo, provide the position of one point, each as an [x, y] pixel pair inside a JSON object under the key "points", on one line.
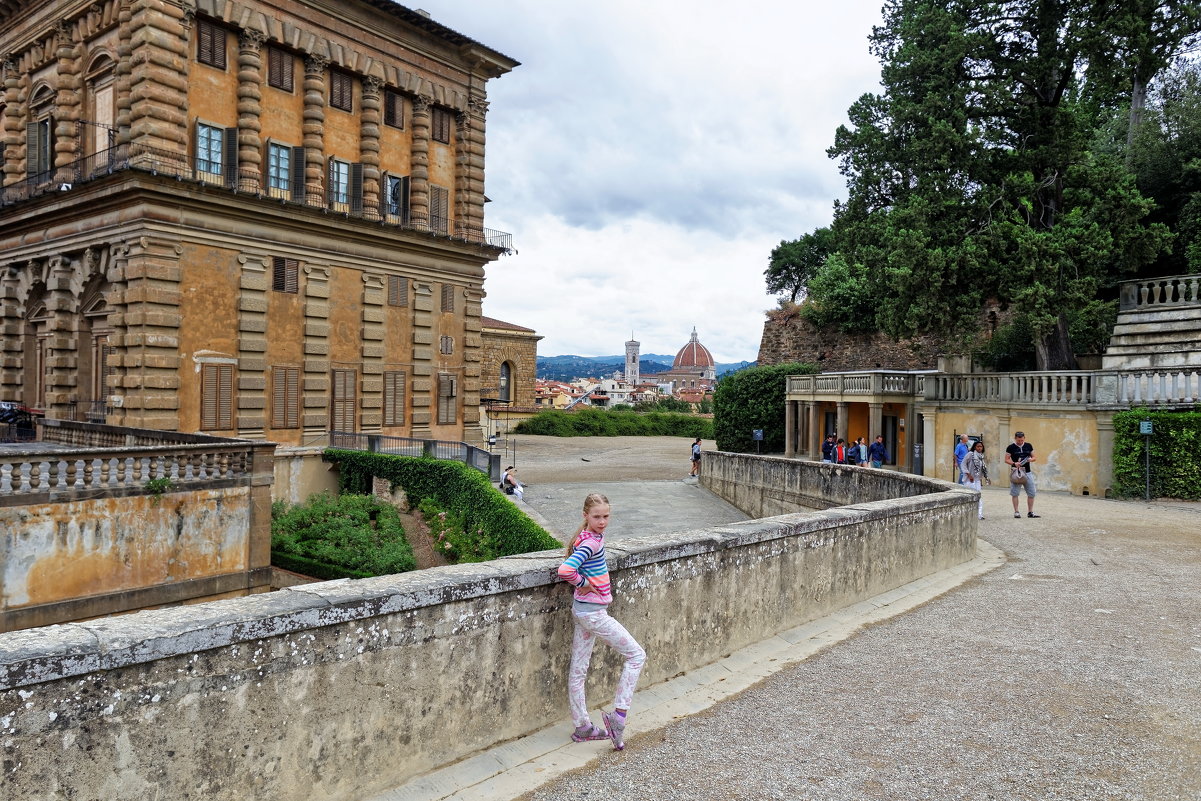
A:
{"points": [[210, 44], [439, 209], [285, 397], [280, 64], [447, 392], [398, 290], [447, 345], [440, 125], [394, 398], [448, 298], [394, 109], [285, 274], [343, 400], [341, 91], [216, 397]]}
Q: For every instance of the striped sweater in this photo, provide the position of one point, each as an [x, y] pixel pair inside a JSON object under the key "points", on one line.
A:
{"points": [[586, 569]]}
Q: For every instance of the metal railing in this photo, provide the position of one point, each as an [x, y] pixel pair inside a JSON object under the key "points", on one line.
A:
{"points": [[242, 181], [479, 458]]}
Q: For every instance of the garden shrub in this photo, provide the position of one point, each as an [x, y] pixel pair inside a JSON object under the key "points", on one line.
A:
{"points": [[615, 423], [492, 522], [749, 399], [350, 536], [1175, 454]]}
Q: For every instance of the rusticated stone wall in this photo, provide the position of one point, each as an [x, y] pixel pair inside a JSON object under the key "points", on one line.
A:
{"points": [[798, 340]]}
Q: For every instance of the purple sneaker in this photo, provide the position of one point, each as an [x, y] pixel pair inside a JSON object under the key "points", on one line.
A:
{"points": [[589, 732], [615, 725]]}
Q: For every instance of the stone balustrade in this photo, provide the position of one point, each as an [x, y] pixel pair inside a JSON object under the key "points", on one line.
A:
{"points": [[873, 382], [1160, 293]]}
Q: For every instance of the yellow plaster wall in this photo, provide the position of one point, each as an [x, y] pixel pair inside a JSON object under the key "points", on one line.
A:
{"points": [[345, 318], [212, 93], [342, 131], [209, 282], [396, 146], [282, 113]]}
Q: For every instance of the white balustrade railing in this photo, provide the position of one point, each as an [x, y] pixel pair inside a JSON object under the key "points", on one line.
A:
{"points": [[1172, 290], [120, 469], [1150, 387]]}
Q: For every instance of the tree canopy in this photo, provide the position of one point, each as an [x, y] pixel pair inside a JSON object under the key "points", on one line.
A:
{"points": [[976, 172]]}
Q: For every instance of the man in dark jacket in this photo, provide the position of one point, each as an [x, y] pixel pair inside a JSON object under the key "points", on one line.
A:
{"points": [[877, 453]]}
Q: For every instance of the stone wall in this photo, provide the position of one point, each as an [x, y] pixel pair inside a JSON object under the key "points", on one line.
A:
{"points": [[342, 689]]}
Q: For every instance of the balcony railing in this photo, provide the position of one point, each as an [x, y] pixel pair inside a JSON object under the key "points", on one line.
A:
{"points": [[163, 162], [875, 382], [1159, 293], [482, 460]]}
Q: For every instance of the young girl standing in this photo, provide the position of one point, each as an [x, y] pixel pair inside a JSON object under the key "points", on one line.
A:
{"points": [[586, 570]]}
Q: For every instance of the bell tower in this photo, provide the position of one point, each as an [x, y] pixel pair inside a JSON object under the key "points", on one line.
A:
{"points": [[632, 360]]}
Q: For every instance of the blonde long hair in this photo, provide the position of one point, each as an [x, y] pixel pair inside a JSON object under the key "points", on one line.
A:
{"points": [[592, 499]]}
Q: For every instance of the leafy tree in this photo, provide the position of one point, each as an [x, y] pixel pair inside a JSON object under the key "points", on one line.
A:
{"points": [[792, 264], [751, 399], [971, 175]]}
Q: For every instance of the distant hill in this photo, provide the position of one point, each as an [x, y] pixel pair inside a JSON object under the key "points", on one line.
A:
{"points": [[569, 368]]}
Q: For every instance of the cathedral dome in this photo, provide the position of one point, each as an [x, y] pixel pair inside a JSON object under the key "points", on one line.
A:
{"points": [[694, 354]]}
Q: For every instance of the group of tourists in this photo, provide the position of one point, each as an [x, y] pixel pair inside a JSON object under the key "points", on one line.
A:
{"points": [[973, 470], [835, 451]]}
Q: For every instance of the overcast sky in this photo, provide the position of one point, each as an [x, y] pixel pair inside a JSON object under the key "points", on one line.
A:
{"points": [[647, 156]]}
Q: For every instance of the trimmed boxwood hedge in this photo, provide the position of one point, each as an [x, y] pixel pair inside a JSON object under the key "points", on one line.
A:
{"points": [[1175, 454], [615, 423], [350, 536], [452, 485]]}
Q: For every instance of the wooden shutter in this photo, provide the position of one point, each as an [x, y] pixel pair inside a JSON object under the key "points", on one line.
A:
{"points": [[285, 274], [399, 201], [394, 398], [216, 397], [229, 157], [356, 188], [441, 125], [33, 155], [398, 290], [210, 44], [296, 166], [394, 109], [341, 91], [448, 298], [439, 209], [280, 69], [342, 416], [446, 399], [285, 397]]}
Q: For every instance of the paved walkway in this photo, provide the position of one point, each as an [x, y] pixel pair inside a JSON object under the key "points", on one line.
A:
{"points": [[1065, 663]]}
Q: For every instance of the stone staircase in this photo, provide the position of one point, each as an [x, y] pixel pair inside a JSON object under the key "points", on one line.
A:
{"points": [[1159, 325]]}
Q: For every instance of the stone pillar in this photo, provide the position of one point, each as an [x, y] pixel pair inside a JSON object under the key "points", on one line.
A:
{"points": [[13, 122], [790, 418], [841, 424], [314, 129], [61, 347], [316, 389], [12, 336], [813, 447], [369, 121], [252, 345], [422, 396], [123, 73], [66, 112], [1104, 456], [250, 100], [118, 359], [371, 398], [158, 115], [473, 367], [875, 420], [419, 173], [1003, 440], [469, 169], [929, 443], [151, 341]]}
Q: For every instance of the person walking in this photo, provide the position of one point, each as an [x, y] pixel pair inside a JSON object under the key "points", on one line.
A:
{"points": [[961, 451], [1020, 454], [976, 471], [859, 452], [877, 452], [828, 449], [586, 570], [696, 458], [840, 451]]}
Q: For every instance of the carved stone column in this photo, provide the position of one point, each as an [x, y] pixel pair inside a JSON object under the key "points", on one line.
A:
{"points": [[115, 300], [250, 99], [12, 332], [473, 366], [316, 389], [469, 169], [67, 112], [369, 122], [152, 320], [371, 399], [314, 129], [158, 114], [419, 180], [422, 396], [61, 347], [13, 121], [123, 72], [252, 345]]}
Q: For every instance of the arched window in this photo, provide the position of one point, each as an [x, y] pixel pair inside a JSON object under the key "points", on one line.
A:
{"points": [[505, 386]]}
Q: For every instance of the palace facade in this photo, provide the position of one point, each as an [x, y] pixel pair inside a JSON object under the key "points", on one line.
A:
{"points": [[262, 219]]}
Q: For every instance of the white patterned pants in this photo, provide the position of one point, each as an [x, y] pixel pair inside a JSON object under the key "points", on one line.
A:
{"points": [[587, 628], [976, 486]]}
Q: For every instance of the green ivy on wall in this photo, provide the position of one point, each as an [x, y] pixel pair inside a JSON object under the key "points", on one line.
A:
{"points": [[1175, 454]]}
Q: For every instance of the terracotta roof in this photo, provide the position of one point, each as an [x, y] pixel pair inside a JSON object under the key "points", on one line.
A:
{"points": [[694, 354], [492, 322]]}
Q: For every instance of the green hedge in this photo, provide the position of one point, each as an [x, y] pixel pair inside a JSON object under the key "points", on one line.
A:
{"points": [[348, 536], [753, 398], [453, 486], [1175, 454], [615, 423]]}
